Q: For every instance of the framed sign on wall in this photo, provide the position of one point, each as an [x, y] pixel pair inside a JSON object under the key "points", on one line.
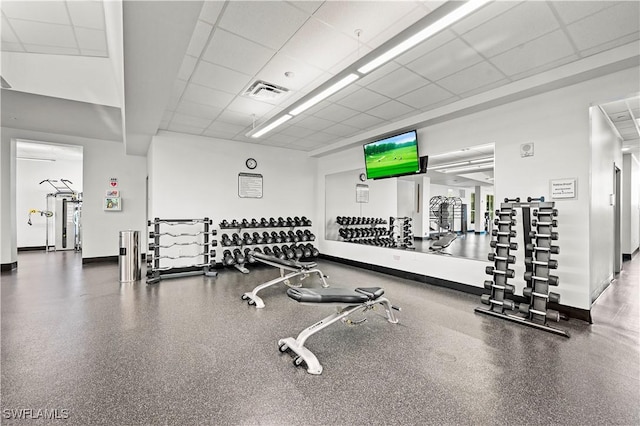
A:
{"points": [[249, 185]]}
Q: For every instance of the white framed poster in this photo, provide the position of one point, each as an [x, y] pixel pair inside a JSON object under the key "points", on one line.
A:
{"points": [[563, 188], [249, 185], [362, 193], [112, 204]]}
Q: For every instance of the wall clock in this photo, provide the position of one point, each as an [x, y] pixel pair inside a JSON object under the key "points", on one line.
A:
{"points": [[251, 163]]}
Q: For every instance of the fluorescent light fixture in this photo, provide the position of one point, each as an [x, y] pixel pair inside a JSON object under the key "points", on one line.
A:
{"points": [[481, 160], [439, 25], [463, 163], [34, 159], [626, 148], [325, 94], [272, 126]]}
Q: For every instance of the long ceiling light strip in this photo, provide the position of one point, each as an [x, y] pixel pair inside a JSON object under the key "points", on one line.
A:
{"points": [[476, 168], [462, 163], [424, 34], [272, 126], [325, 93]]}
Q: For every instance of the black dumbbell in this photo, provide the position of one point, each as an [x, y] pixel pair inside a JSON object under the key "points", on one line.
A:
{"points": [[510, 259], [551, 279], [245, 223], [248, 256], [246, 239], [288, 252], [551, 263], [342, 232], [266, 238], [267, 251], [512, 246], [305, 221], [314, 251], [309, 234], [553, 212], [530, 199], [297, 251], [224, 224], [226, 241], [277, 252], [257, 238], [551, 297], [297, 221], [306, 251], [506, 303], [551, 235], [227, 258], [264, 222], [276, 237], [509, 273], [239, 257], [257, 250], [273, 222], [512, 200], [290, 222], [496, 233], [293, 237], [284, 237], [553, 223], [301, 236], [254, 223], [236, 239], [281, 222]]}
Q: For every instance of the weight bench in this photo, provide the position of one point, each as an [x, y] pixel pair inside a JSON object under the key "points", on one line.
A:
{"points": [[296, 268], [347, 302], [443, 242]]}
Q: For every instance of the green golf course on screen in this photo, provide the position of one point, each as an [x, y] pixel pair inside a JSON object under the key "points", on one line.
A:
{"points": [[392, 156]]}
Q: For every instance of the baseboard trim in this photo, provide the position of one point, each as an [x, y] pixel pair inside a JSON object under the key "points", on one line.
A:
{"points": [[570, 311], [100, 259], [6, 267], [32, 248]]}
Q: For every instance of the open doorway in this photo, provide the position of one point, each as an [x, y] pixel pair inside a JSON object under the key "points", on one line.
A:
{"points": [[48, 196]]}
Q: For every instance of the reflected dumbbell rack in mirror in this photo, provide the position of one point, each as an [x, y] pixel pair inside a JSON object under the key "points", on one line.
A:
{"points": [[371, 231]]}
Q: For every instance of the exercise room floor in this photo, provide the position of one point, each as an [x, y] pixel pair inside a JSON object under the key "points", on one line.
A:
{"points": [[189, 351]]}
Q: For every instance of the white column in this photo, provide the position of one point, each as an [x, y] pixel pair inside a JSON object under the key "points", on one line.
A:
{"points": [[8, 244]]}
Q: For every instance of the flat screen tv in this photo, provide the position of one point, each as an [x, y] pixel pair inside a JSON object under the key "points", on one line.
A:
{"points": [[393, 156]]}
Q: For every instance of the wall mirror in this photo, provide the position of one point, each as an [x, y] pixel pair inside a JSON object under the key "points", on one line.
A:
{"points": [[450, 208]]}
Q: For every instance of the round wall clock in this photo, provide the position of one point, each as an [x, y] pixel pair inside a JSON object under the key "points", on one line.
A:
{"points": [[251, 163], [363, 177]]}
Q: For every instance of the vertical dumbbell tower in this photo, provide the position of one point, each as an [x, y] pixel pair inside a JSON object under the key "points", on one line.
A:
{"points": [[539, 265], [499, 298]]}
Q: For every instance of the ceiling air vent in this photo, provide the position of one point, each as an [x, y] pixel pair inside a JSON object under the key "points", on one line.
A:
{"points": [[265, 91]]}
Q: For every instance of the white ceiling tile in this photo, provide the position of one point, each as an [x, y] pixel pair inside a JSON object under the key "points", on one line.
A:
{"points": [[425, 96], [7, 33], [364, 121], [51, 50], [42, 11], [342, 130], [164, 125], [44, 34], [274, 71], [167, 116], [613, 107], [218, 134], [485, 87], [182, 128], [251, 106], [207, 96], [227, 127], [198, 110], [610, 45], [297, 131], [486, 13], [398, 83], [571, 11], [430, 44], [311, 122], [199, 38], [379, 73], [320, 137], [176, 94], [445, 60], [187, 67], [471, 78], [395, 28], [308, 6], [544, 67], [390, 110], [11, 47], [236, 52], [372, 17], [362, 100], [538, 52], [349, 59], [91, 52], [91, 39], [238, 118], [211, 11], [518, 25], [189, 120], [87, 14], [609, 24], [318, 44], [335, 112], [280, 139], [220, 78], [269, 23]]}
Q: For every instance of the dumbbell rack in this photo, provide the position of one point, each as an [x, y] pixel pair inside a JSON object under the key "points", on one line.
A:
{"points": [[155, 272], [365, 230], [404, 235], [538, 263], [239, 258]]}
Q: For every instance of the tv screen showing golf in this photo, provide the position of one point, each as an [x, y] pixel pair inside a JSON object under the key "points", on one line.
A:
{"points": [[393, 156]]}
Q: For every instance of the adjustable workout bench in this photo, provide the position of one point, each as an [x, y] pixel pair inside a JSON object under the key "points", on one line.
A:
{"points": [[443, 242], [297, 268], [347, 301]]}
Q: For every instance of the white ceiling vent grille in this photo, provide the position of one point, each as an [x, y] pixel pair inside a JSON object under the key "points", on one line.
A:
{"points": [[265, 91]]}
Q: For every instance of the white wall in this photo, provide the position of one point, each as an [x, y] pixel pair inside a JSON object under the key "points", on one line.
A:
{"points": [[605, 153], [8, 252], [31, 195], [101, 161], [631, 204], [195, 177], [557, 122]]}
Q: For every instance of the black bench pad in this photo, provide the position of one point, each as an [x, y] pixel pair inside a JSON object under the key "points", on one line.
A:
{"points": [[334, 295]]}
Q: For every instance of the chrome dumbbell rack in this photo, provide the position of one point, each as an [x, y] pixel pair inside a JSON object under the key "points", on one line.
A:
{"points": [[401, 232], [534, 312], [155, 272]]}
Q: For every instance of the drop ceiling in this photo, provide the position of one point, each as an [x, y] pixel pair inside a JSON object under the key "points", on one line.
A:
{"points": [[300, 45]]}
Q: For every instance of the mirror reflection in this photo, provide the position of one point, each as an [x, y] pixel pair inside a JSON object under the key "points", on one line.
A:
{"points": [[447, 211]]}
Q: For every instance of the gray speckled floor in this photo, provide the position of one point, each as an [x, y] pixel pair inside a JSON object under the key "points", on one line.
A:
{"points": [[189, 351]]}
